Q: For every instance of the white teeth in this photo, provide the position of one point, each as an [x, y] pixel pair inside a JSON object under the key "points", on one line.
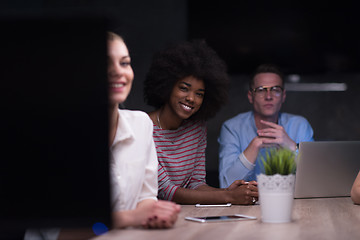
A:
{"points": [[186, 107], [117, 85]]}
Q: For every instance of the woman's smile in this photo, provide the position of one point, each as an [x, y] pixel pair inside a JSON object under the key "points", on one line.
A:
{"points": [[186, 107]]}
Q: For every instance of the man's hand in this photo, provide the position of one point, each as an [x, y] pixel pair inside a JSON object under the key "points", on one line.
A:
{"points": [[275, 134]]}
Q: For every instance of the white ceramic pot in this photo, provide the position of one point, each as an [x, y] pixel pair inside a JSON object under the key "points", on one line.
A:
{"points": [[276, 197]]}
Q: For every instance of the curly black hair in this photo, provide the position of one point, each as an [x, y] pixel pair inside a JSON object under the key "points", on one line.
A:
{"points": [[194, 58]]}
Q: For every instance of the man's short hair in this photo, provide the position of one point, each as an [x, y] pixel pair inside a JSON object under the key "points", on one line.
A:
{"points": [[266, 68]]}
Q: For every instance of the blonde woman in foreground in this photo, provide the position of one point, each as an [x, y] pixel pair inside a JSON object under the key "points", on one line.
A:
{"points": [[133, 161]]}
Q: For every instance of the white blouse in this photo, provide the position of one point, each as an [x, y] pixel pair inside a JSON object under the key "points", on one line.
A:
{"points": [[133, 161]]}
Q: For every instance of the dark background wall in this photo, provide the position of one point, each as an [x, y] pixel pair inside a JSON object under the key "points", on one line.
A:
{"points": [[146, 26], [315, 42]]}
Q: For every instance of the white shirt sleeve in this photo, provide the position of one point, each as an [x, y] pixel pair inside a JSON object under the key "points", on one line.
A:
{"points": [[150, 185]]}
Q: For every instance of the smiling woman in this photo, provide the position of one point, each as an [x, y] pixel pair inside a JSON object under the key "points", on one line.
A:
{"points": [[119, 65], [133, 169], [185, 100], [187, 84]]}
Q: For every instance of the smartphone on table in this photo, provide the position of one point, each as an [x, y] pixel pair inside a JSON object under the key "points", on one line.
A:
{"points": [[213, 205], [233, 217]]}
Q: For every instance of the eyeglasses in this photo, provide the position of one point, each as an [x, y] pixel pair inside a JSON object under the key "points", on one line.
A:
{"points": [[261, 91]]}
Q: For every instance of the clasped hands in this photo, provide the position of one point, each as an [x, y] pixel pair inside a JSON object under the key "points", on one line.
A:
{"points": [[275, 135], [160, 214], [149, 213], [244, 192]]}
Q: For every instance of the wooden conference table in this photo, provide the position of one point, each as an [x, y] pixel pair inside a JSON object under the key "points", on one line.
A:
{"points": [[322, 218]]}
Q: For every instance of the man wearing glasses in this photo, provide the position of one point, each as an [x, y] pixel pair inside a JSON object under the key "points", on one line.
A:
{"points": [[244, 138]]}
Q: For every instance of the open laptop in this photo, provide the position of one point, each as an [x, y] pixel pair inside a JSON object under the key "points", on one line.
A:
{"points": [[326, 168]]}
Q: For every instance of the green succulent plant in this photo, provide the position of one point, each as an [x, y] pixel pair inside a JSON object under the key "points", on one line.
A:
{"points": [[279, 161]]}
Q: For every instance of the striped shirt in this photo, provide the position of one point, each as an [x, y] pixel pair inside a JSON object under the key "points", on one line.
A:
{"points": [[181, 156]]}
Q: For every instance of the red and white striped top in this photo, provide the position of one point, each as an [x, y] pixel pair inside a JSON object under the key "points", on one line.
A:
{"points": [[181, 156]]}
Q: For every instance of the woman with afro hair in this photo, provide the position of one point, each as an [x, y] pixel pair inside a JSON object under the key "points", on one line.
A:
{"points": [[187, 84]]}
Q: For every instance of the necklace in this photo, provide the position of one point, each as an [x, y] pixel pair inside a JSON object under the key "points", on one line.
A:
{"points": [[159, 125], [158, 119]]}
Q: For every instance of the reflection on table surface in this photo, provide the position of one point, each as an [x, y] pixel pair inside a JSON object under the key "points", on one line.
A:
{"points": [[321, 218]]}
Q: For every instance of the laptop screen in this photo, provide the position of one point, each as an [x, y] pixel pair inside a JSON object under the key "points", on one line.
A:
{"points": [[54, 122]]}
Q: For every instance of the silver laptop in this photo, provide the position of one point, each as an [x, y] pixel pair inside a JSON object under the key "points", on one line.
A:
{"points": [[326, 168]]}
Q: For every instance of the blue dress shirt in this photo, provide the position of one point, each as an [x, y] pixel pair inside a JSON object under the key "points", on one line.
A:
{"points": [[237, 133]]}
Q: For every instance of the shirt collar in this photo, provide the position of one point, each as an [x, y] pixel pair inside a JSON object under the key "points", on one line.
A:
{"points": [[123, 130]]}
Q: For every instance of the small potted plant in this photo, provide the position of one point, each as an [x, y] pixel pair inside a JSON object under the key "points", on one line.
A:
{"points": [[276, 185]]}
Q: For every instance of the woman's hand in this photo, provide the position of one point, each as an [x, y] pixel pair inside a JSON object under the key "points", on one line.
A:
{"points": [[160, 214], [242, 192], [149, 213]]}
